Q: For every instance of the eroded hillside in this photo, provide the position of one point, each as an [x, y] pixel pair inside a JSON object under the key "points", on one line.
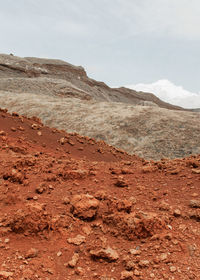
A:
{"points": [[57, 77], [74, 208], [64, 97], [150, 132]]}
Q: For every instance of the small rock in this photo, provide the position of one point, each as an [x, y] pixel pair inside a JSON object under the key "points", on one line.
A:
{"points": [[163, 256], [126, 171], [84, 206], [35, 126], [62, 141], [129, 264], [121, 183], [107, 254], [78, 240], [70, 142], [144, 263], [177, 213], [136, 272], [148, 169], [133, 200], [74, 260], [2, 133], [164, 206], [66, 200], [6, 274], [32, 253], [40, 189], [59, 254], [87, 229], [79, 271], [191, 249], [126, 275], [196, 171], [195, 195], [135, 252], [194, 203], [172, 268]]}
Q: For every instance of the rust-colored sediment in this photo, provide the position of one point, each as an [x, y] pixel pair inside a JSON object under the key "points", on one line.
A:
{"points": [[74, 208]]}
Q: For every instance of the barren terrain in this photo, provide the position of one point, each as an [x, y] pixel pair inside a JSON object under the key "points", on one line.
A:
{"points": [[74, 208], [150, 132], [64, 97]]}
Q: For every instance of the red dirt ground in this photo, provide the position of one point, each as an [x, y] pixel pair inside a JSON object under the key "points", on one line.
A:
{"points": [[74, 208]]}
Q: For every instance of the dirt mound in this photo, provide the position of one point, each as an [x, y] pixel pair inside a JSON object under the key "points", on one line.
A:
{"points": [[74, 208]]}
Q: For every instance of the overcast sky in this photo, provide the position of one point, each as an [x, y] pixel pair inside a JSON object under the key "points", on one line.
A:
{"points": [[120, 42]]}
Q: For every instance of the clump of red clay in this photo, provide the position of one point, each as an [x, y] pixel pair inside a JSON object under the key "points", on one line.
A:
{"points": [[74, 208]]}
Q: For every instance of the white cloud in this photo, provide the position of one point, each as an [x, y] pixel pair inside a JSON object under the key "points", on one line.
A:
{"points": [[171, 93]]}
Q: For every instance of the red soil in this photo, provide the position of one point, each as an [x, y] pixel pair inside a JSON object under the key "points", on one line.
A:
{"points": [[74, 208]]}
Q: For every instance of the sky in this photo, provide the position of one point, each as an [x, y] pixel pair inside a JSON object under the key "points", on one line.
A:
{"points": [[120, 42]]}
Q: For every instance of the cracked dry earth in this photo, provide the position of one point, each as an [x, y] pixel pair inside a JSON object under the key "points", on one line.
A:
{"points": [[74, 208]]}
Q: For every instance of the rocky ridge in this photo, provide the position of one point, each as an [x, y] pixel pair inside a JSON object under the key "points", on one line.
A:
{"points": [[64, 97], [57, 77], [75, 208]]}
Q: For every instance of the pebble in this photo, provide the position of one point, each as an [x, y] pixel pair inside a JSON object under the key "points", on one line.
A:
{"points": [[121, 183], [135, 252], [59, 254], [144, 263], [32, 253], [2, 133], [163, 256], [108, 254], [177, 213], [194, 203], [74, 260], [126, 275], [136, 272], [172, 268], [78, 240], [6, 274]]}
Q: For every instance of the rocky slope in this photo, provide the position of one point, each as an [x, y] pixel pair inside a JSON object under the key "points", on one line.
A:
{"points": [[56, 77], [150, 132], [64, 97], [74, 208]]}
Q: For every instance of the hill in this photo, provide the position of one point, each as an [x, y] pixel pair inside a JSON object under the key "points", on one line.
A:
{"points": [[64, 97], [75, 208]]}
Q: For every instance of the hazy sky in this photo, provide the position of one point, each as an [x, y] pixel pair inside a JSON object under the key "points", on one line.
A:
{"points": [[118, 41]]}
